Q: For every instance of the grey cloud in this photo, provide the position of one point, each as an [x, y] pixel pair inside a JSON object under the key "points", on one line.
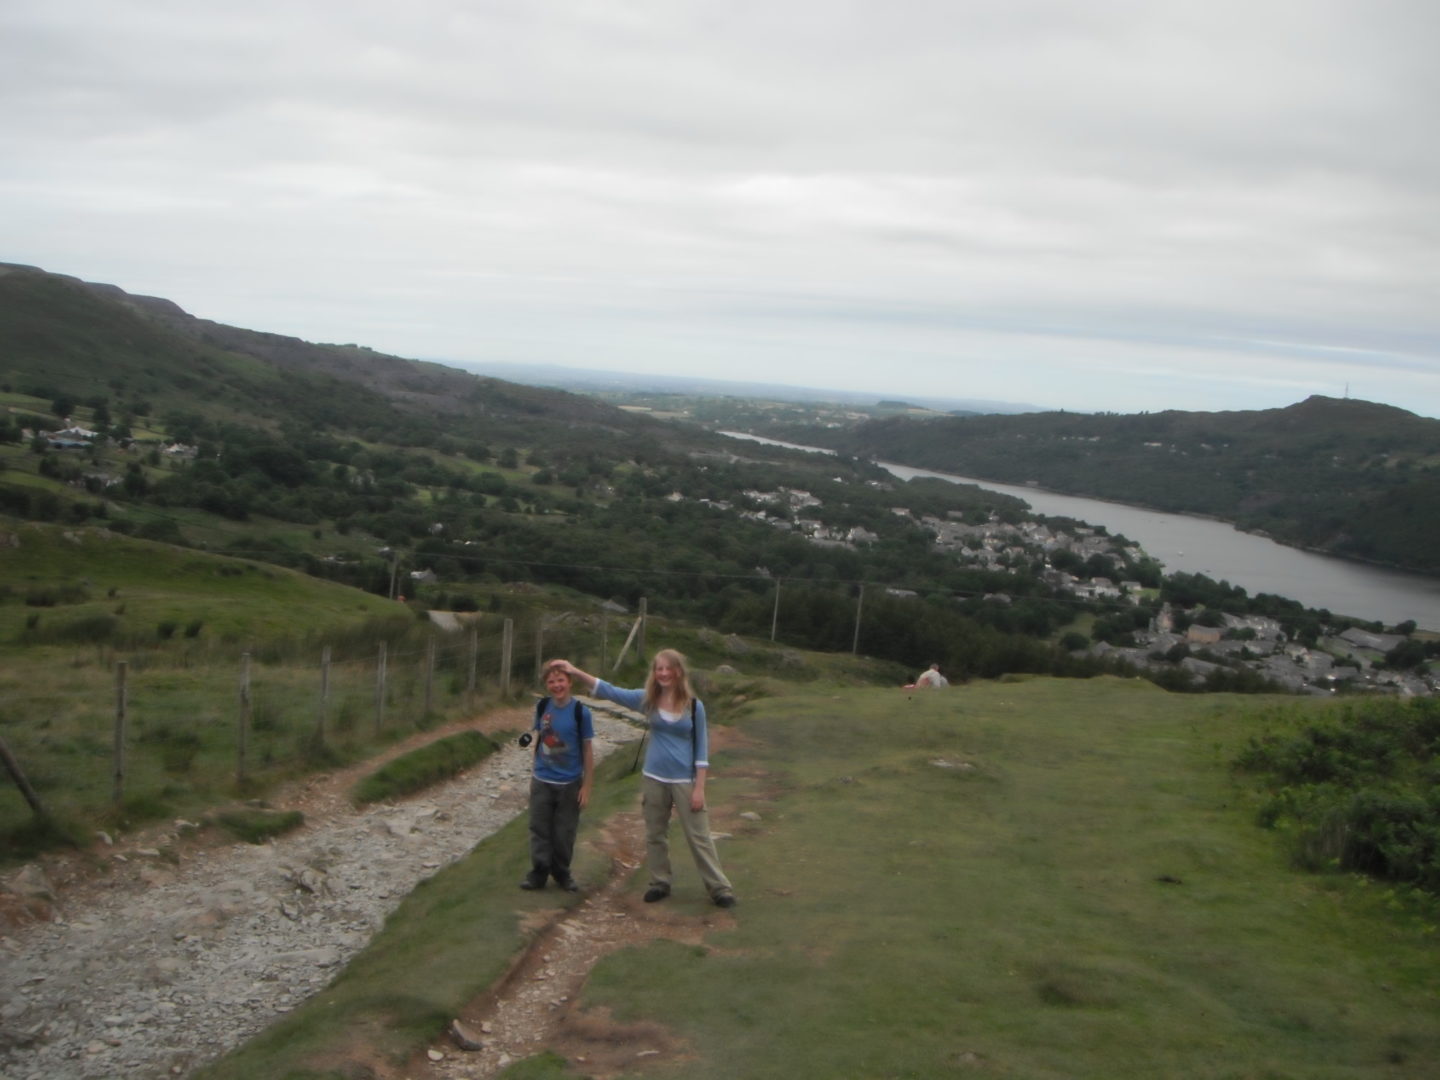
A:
{"points": [[1199, 180]]}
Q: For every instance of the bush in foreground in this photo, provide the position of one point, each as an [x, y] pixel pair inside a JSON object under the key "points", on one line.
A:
{"points": [[1358, 791]]}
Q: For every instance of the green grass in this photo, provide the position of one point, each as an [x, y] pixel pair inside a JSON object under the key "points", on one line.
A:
{"points": [[109, 599], [256, 825], [182, 730], [423, 767], [1034, 878], [236, 599]]}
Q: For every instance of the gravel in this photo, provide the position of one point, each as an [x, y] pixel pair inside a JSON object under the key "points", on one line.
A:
{"points": [[167, 963]]}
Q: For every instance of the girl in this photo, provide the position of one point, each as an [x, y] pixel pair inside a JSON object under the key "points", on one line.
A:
{"points": [[675, 767]]}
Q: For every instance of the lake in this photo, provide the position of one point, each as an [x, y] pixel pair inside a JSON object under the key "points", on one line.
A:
{"points": [[1222, 552]]}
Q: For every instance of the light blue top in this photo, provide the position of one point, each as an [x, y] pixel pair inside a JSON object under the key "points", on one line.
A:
{"points": [[669, 758], [560, 742]]}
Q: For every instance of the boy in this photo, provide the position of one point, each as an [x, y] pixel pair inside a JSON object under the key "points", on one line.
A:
{"points": [[560, 786]]}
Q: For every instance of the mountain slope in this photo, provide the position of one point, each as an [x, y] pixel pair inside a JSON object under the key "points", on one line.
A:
{"points": [[63, 336], [1351, 478]]}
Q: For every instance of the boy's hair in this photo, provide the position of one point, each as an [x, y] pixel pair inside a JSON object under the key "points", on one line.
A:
{"points": [[683, 690], [552, 666]]}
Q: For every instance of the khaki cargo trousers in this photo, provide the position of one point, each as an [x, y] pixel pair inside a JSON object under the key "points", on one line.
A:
{"points": [[657, 799]]}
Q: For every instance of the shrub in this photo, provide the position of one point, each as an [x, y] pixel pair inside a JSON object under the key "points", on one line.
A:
{"points": [[142, 807], [265, 717], [1358, 792], [39, 834], [53, 595], [255, 825], [89, 628], [178, 747], [178, 755]]}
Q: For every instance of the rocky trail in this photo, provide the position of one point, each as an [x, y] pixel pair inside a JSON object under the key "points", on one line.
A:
{"points": [[159, 954], [534, 1006]]}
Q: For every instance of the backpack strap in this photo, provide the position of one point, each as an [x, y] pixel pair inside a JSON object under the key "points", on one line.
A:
{"points": [[540, 707], [580, 713]]}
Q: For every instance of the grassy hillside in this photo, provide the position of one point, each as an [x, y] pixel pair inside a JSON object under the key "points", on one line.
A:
{"points": [[64, 338], [148, 356], [1035, 879], [58, 581], [74, 603]]}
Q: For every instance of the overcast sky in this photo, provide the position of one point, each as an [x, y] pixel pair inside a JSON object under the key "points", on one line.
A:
{"points": [[1090, 205]]}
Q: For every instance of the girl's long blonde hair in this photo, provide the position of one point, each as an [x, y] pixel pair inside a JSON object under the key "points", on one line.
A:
{"points": [[683, 691]]}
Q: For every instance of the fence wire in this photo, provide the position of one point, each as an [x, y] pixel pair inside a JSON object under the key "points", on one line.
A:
{"points": [[149, 734]]}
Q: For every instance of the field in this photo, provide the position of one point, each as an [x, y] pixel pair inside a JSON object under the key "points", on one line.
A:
{"points": [[82, 609], [1037, 879]]}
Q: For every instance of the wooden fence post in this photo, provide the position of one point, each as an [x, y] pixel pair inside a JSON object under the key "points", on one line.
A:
{"points": [[243, 735], [775, 616], [474, 667], [640, 641], [859, 605], [117, 789], [324, 696], [430, 674], [539, 648], [13, 768], [634, 632], [507, 646], [380, 686]]}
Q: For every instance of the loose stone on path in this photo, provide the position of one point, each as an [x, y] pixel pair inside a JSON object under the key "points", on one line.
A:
{"points": [[160, 972]]}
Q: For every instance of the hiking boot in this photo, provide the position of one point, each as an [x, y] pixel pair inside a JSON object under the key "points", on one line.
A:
{"points": [[533, 881], [656, 892], [725, 900], [568, 883]]}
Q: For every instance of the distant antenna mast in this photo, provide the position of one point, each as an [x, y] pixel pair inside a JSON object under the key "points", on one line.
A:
{"points": [[1347, 391]]}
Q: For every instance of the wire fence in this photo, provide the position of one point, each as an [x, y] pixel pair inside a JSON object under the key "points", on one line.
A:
{"points": [[138, 737]]}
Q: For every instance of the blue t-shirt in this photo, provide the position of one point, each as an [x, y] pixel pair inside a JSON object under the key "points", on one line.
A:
{"points": [[560, 742], [674, 752]]}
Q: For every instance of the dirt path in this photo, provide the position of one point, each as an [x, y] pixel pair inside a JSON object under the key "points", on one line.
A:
{"points": [[534, 1007], [181, 946]]}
